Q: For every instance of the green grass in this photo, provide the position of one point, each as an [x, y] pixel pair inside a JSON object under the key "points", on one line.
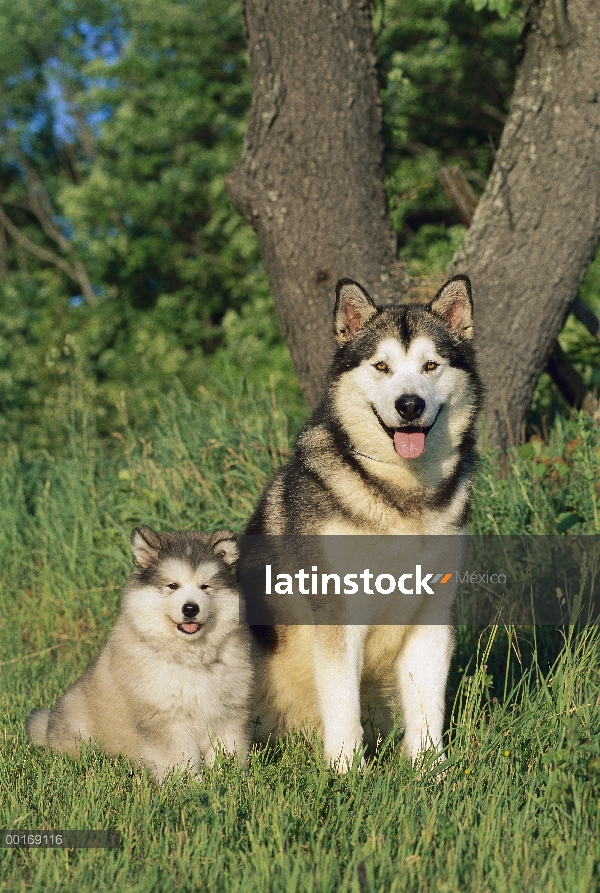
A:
{"points": [[517, 807]]}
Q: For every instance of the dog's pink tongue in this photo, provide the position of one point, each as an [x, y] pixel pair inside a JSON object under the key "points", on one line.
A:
{"points": [[190, 627], [409, 445]]}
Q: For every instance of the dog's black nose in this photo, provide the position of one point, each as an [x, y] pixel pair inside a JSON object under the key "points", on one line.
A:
{"points": [[189, 610], [410, 406]]}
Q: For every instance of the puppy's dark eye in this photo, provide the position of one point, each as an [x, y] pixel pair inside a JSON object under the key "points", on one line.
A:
{"points": [[173, 586], [430, 366], [204, 586], [382, 367]]}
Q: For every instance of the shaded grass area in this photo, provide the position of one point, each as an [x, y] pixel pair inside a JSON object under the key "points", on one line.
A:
{"points": [[516, 808]]}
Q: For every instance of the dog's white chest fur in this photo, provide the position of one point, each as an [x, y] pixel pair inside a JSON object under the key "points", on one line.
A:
{"points": [[194, 688]]}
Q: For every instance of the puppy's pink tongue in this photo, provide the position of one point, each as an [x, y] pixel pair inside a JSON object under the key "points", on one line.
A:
{"points": [[190, 627], [409, 445]]}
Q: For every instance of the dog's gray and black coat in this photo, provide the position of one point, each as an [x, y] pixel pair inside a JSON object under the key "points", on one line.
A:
{"points": [[389, 450]]}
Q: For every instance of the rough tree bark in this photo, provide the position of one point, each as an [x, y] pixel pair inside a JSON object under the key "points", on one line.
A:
{"points": [[310, 180], [565, 377], [538, 222]]}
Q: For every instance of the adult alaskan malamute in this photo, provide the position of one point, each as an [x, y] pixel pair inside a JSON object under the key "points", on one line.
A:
{"points": [[173, 680], [390, 450]]}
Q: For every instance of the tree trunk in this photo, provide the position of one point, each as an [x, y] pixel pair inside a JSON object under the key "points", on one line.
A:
{"points": [[538, 222], [311, 183], [310, 180], [565, 377]]}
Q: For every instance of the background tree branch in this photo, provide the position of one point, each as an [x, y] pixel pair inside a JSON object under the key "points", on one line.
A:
{"points": [[566, 378], [537, 224], [75, 271]]}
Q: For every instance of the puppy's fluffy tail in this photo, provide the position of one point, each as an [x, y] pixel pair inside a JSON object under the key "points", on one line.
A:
{"points": [[37, 727]]}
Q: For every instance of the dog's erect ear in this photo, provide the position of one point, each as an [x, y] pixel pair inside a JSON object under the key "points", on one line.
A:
{"points": [[224, 545], [145, 545], [353, 308], [454, 304]]}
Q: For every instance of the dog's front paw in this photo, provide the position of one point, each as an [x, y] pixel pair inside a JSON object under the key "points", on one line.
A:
{"points": [[341, 755], [345, 760]]}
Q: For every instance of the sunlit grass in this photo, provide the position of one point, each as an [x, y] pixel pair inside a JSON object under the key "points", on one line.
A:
{"points": [[516, 808]]}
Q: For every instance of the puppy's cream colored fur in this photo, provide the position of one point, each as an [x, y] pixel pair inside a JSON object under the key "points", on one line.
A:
{"points": [[160, 695]]}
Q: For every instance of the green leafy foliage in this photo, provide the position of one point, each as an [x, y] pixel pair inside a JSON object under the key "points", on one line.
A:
{"points": [[502, 7], [447, 81], [132, 159], [151, 208], [118, 126], [548, 486]]}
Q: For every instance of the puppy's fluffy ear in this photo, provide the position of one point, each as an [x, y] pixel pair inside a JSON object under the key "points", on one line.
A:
{"points": [[353, 308], [224, 545], [145, 545], [454, 304]]}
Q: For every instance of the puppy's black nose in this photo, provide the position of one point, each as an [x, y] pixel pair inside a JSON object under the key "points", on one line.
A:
{"points": [[410, 406], [189, 610]]}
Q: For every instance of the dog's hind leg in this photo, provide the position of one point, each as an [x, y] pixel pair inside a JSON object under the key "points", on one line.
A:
{"points": [[338, 659], [422, 671]]}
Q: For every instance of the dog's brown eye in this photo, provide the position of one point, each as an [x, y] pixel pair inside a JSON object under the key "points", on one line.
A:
{"points": [[382, 367], [430, 366], [204, 586], [173, 586]]}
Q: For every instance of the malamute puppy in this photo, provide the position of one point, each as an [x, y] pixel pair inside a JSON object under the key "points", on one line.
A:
{"points": [[173, 681], [389, 451]]}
